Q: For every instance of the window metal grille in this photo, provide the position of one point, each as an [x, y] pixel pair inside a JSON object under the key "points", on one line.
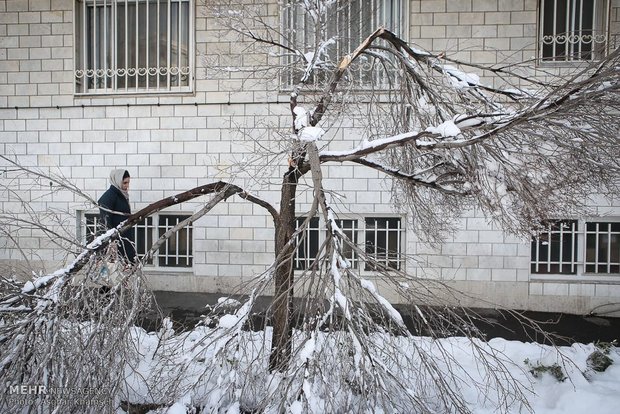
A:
{"points": [[555, 250], [573, 30], [602, 247], [177, 251], [347, 23], [143, 236], [350, 229], [384, 242], [133, 46], [92, 226], [307, 244]]}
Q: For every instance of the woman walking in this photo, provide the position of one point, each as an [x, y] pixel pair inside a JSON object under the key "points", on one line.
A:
{"points": [[114, 209]]}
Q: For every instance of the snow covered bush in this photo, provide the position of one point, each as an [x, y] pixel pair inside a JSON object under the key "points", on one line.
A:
{"points": [[73, 339]]}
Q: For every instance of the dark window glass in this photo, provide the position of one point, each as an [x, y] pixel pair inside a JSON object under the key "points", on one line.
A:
{"points": [[138, 45], [555, 250], [143, 236], [602, 247], [93, 227], [176, 250], [383, 242], [573, 29], [349, 228], [307, 244], [347, 23]]}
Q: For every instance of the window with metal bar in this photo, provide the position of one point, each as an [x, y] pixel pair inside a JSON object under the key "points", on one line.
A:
{"points": [[177, 251], [143, 236], [307, 243], [350, 228], [384, 242], [573, 30], [133, 46], [555, 249], [383, 237], [342, 27], [602, 247], [92, 226], [143, 233]]}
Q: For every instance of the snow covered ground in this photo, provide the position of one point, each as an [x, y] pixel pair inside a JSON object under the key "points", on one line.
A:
{"points": [[227, 373]]}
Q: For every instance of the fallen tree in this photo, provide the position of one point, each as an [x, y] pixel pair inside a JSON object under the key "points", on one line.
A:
{"points": [[523, 154]]}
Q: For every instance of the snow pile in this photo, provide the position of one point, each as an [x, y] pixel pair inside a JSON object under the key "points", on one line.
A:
{"points": [[228, 321], [306, 132], [302, 117], [461, 79], [237, 378], [311, 134], [226, 302], [445, 129]]}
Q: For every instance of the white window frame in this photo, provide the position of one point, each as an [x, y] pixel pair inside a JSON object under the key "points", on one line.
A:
{"points": [[359, 230], [581, 263], [154, 263], [293, 19], [83, 73], [572, 41]]}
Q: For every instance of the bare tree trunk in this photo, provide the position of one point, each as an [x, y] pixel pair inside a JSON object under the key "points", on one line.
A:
{"points": [[283, 299]]}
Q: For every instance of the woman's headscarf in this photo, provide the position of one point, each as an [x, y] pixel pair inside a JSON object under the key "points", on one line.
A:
{"points": [[116, 178]]}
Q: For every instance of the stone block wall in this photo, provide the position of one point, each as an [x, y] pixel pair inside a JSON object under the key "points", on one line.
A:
{"points": [[171, 143]]}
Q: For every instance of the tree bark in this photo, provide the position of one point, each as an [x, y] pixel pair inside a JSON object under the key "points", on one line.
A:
{"points": [[85, 256], [283, 296]]}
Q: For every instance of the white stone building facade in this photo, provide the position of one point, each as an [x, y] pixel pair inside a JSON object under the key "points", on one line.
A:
{"points": [[187, 126]]}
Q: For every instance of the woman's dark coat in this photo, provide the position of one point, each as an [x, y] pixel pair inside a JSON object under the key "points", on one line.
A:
{"points": [[114, 200]]}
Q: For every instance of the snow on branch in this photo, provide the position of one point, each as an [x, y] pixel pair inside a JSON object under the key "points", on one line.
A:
{"points": [[102, 241], [432, 180]]}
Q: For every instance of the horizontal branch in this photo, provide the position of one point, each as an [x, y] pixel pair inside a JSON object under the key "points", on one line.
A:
{"points": [[411, 178], [222, 195], [375, 146], [272, 42], [432, 61], [104, 240]]}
